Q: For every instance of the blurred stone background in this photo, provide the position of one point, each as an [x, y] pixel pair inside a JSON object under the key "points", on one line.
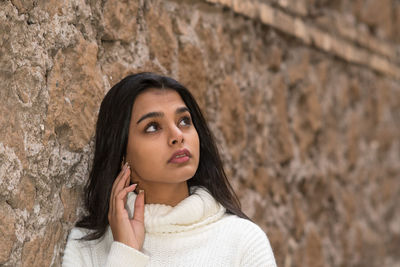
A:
{"points": [[303, 97]]}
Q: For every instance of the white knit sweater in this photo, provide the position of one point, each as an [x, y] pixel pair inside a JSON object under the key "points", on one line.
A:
{"points": [[196, 232]]}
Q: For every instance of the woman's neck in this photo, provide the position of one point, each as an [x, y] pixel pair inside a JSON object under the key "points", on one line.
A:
{"points": [[164, 193]]}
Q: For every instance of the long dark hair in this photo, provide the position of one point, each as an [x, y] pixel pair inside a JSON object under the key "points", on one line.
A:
{"points": [[112, 132]]}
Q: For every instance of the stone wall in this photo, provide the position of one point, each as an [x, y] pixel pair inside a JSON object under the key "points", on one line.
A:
{"points": [[303, 97]]}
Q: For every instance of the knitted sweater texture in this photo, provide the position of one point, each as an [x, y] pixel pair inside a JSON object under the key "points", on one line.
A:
{"points": [[196, 232]]}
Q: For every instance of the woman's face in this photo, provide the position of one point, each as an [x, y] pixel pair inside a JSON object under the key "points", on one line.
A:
{"points": [[160, 126]]}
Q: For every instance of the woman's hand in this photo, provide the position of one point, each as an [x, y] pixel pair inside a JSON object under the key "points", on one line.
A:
{"points": [[126, 230]]}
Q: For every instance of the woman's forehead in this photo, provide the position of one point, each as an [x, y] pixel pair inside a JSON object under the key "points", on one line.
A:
{"points": [[156, 100]]}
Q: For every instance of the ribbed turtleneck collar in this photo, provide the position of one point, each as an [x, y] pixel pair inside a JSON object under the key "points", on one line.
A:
{"points": [[197, 210]]}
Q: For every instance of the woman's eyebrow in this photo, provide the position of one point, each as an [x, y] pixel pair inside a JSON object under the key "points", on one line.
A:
{"points": [[150, 115], [181, 110], [161, 114]]}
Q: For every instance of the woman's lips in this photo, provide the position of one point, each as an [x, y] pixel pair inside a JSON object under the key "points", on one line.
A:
{"points": [[179, 160], [180, 156]]}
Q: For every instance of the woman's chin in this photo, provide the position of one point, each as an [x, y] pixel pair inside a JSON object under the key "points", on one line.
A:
{"points": [[172, 177]]}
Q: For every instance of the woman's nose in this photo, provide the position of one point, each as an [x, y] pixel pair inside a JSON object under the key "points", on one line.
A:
{"points": [[176, 136]]}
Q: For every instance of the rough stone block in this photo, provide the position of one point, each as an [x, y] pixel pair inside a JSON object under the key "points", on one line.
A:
{"points": [[7, 231], [267, 14], [284, 22], [120, 20], [25, 195], [283, 149], [163, 43], [192, 72], [232, 122], [314, 254], [40, 250], [75, 88], [377, 14], [71, 198]]}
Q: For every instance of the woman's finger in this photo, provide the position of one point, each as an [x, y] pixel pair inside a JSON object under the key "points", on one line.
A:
{"points": [[138, 213], [119, 202], [113, 189], [120, 175], [119, 182], [124, 181], [121, 197], [127, 181]]}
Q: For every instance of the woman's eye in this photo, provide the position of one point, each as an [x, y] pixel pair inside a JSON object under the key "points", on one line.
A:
{"points": [[186, 121], [152, 127]]}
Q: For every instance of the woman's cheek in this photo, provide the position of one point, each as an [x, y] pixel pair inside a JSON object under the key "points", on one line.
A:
{"points": [[149, 161]]}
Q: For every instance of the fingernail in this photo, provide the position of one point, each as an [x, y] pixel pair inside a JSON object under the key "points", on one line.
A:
{"points": [[141, 191], [125, 167]]}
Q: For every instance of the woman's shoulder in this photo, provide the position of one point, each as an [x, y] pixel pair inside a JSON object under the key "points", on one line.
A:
{"points": [[245, 225], [254, 243], [77, 244], [77, 238], [78, 233]]}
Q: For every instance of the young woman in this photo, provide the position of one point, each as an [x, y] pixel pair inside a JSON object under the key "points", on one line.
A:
{"points": [[157, 194]]}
